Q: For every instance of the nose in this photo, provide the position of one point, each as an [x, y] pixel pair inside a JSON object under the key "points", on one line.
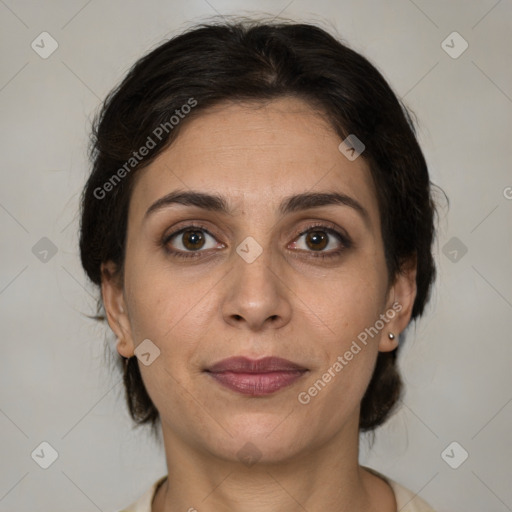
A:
{"points": [[256, 295]]}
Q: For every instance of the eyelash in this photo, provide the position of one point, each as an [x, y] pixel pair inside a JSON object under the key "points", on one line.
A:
{"points": [[345, 241]]}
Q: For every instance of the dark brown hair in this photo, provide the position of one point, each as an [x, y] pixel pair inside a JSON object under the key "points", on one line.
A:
{"points": [[251, 60]]}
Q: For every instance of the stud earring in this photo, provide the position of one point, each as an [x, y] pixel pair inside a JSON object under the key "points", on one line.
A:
{"points": [[391, 336]]}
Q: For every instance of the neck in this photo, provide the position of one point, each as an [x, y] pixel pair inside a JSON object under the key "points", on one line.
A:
{"points": [[326, 478]]}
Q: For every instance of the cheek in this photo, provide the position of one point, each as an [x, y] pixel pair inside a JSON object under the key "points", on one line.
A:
{"points": [[333, 392], [157, 297], [351, 300], [350, 305], [173, 309], [160, 312]]}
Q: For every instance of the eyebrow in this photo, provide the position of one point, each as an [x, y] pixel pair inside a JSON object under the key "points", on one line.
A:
{"points": [[290, 204]]}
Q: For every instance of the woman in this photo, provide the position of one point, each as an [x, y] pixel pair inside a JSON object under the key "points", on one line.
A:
{"points": [[259, 219]]}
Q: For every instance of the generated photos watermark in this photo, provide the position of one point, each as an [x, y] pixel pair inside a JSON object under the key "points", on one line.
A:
{"points": [[158, 133], [304, 397]]}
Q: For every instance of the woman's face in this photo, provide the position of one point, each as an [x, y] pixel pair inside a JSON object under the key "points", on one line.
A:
{"points": [[267, 277]]}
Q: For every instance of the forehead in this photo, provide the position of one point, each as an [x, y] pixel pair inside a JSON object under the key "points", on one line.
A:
{"points": [[254, 154]]}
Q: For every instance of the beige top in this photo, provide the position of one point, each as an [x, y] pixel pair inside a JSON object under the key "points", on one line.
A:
{"points": [[406, 500]]}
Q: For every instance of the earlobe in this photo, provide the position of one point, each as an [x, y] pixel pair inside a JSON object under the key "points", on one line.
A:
{"points": [[115, 309], [388, 342], [401, 297]]}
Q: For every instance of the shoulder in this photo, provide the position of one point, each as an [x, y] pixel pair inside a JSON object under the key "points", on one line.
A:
{"points": [[406, 500], [143, 504]]}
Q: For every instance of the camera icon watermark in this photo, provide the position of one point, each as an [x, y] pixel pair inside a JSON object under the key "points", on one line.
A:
{"points": [[454, 249], [249, 249], [454, 45], [249, 454], [454, 455], [507, 193], [147, 352], [351, 147], [44, 455], [44, 250], [44, 45]]}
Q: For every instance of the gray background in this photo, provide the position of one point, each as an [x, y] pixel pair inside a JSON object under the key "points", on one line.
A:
{"points": [[56, 386]]}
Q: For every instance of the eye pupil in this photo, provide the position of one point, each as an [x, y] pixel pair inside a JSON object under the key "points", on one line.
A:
{"points": [[192, 237], [317, 238]]}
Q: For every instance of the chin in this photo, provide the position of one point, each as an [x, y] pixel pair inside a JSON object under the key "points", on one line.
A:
{"points": [[261, 438]]}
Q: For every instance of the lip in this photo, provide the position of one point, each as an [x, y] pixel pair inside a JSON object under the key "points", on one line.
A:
{"points": [[256, 377], [247, 365]]}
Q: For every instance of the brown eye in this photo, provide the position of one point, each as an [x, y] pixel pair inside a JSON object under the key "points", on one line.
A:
{"points": [[193, 239], [320, 241], [317, 240]]}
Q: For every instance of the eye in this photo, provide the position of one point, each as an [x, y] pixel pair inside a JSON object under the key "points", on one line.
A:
{"points": [[189, 239], [323, 240]]}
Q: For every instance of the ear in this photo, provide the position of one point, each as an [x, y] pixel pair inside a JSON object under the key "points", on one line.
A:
{"points": [[115, 308], [400, 302]]}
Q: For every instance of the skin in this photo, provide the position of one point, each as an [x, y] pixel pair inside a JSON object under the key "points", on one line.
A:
{"points": [[285, 303]]}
